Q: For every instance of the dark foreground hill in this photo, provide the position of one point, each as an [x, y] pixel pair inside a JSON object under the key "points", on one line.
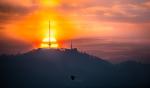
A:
{"points": [[49, 68]]}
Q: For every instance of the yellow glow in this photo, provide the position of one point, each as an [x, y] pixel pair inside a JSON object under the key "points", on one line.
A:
{"points": [[52, 40], [44, 45], [61, 28], [53, 43], [51, 3], [51, 46]]}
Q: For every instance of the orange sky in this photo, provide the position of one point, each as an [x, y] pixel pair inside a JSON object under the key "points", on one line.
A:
{"points": [[75, 19], [34, 26], [28, 20]]}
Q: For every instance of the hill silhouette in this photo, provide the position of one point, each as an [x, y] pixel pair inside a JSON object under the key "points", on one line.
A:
{"points": [[69, 68]]}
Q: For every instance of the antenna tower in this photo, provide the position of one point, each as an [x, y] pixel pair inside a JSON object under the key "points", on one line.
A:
{"points": [[49, 34]]}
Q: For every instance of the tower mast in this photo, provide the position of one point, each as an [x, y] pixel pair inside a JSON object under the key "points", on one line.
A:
{"points": [[71, 45], [49, 34]]}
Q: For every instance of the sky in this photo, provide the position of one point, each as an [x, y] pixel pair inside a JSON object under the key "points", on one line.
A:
{"points": [[119, 28]]}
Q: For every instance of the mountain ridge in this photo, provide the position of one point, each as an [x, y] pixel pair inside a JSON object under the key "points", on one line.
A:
{"points": [[69, 68]]}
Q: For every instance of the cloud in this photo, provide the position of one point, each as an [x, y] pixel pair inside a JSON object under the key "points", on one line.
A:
{"points": [[133, 11], [9, 12], [116, 49], [25, 3]]}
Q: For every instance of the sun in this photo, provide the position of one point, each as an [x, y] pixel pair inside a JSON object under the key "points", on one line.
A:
{"points": [[50, 40], [53, 43]]}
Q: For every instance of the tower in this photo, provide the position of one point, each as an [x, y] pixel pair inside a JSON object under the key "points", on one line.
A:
{"points": [[71, 47], [49, 34]]}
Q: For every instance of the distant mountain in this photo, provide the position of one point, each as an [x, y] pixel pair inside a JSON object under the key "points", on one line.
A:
{"points": [[69, 68]]}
